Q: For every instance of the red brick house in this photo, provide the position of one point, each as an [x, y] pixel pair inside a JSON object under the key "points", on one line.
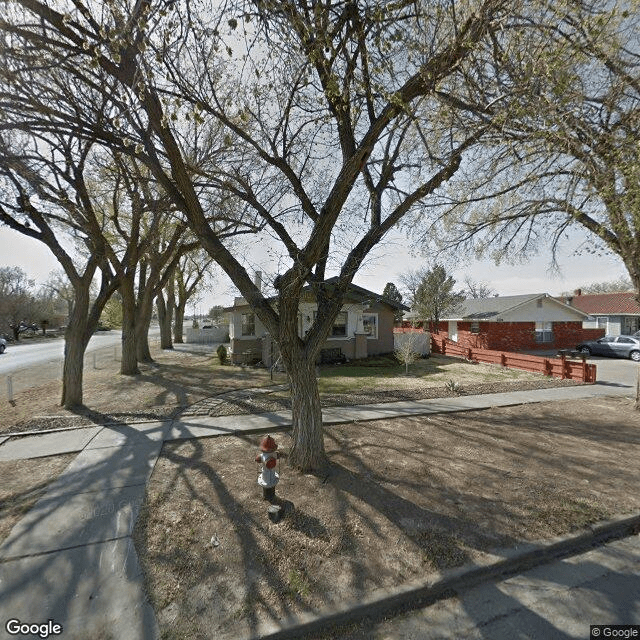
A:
{"points": [[615, 313], [517, 323]]}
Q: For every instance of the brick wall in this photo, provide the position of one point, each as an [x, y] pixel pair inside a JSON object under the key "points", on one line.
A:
{"points": [[567, 335], [520, 336]]}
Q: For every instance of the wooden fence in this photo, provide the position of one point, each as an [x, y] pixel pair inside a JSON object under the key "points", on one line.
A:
{"points": [[560, 367]]}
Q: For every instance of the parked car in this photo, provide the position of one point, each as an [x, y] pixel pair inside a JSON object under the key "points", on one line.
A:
{"points": [[3, 345], [613, 346]]}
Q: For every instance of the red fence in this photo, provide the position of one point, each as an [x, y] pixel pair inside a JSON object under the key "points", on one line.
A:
{"points": [[560, 367]]}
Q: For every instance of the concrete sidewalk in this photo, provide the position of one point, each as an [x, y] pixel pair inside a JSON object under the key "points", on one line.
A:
{"points": [[556, 600], [195, 426], [71, 558]]}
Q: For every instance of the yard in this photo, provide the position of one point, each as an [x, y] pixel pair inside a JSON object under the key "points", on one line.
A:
{"points": [[403, 498], [185, 381]]}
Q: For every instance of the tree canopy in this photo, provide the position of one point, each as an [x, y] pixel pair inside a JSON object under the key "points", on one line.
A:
{"points": [[564, 154], [391, 291], [318, 126], [435, 296]]}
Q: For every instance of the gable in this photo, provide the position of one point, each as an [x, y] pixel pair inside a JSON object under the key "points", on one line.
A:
{"points": [[537, 307], [543, 309]]}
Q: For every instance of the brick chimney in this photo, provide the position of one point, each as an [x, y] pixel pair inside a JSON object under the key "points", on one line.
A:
{"points": [[577, 292]]}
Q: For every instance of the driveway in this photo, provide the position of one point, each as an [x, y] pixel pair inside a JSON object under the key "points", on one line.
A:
{"points": [[611, 371], [615, 371]]}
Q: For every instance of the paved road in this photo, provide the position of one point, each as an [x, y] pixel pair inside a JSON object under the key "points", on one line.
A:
{"points": [[558, 601], [25, 355]]}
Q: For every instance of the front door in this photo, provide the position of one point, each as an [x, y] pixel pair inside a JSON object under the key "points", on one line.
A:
{"points": [[453, 330]]}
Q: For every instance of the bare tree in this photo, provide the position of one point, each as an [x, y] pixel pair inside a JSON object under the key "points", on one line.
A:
{"points": [[407, 351], [564, 154], [329, 106], [45, 197], [17, 299], [610, 286], [192, 270], [61, 289], [476, 289]]}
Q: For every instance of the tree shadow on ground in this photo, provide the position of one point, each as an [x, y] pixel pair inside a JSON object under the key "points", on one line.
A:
{"points": [[72, 546], [549, 602]]}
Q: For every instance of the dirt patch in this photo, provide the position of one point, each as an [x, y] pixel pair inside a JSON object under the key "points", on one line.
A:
{"points": [[403, 497], [280, 401], [22, 482], [184, 382], [176, 380]]}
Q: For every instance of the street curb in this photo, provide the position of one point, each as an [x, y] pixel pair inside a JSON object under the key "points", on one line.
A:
{"points": [[440, 586]]}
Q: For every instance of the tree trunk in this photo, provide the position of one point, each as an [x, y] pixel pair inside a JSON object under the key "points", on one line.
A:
{"points": [[143, 320], [76, 338], [73, 367], [307, 453], [129, 360], [164, 318], [178, 323]]}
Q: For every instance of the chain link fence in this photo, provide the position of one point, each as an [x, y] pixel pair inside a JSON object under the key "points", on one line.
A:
{"points": [[104, 358]]}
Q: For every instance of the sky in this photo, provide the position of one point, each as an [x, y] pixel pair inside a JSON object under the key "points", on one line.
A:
{"points": [[387, 264]]}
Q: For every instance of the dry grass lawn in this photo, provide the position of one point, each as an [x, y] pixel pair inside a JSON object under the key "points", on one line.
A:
{"points": [[403, 498]]}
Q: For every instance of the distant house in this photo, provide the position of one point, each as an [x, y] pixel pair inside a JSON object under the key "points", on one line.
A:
{"points": [[614, 313], [517, 323], [363, 327]]}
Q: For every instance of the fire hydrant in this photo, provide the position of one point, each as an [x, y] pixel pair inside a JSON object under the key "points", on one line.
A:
{"points": [[268, 478]]}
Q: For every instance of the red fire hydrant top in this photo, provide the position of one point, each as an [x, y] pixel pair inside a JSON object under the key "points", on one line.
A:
{"points": [[268, 444]]}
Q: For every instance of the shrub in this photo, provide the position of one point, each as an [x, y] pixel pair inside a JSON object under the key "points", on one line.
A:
{"points": [[407, 350], [222, 353], [454, 386]]}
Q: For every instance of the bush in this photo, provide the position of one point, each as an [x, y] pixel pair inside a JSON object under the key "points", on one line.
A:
{"points": [[222, 353]]}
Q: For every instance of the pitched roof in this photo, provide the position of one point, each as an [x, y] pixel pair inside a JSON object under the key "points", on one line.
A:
{"points": [[492, 308], [607, 303], [487, 308], [353, 291]]}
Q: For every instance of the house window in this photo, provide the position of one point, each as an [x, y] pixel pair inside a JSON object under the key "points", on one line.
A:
{"points": [[248, 324], [601, 322], [370, 323], [475, 327], [339, 328], [544, 331]]}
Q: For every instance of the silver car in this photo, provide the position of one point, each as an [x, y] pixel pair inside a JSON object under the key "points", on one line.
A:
{"points": [[613, 346], [3, 345]]}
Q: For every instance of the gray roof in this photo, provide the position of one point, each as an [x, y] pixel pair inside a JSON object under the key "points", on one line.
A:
{"points": [[489, 308], [354, 292]]}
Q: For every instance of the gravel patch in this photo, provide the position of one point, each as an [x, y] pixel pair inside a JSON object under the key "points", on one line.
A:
{"points": [[262, 402]]}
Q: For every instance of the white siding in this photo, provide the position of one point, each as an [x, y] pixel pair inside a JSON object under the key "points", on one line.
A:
{"points": [[614, 326], [549, 311], [421, 341], [308, 309], [453, 330], [235, 326]]}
